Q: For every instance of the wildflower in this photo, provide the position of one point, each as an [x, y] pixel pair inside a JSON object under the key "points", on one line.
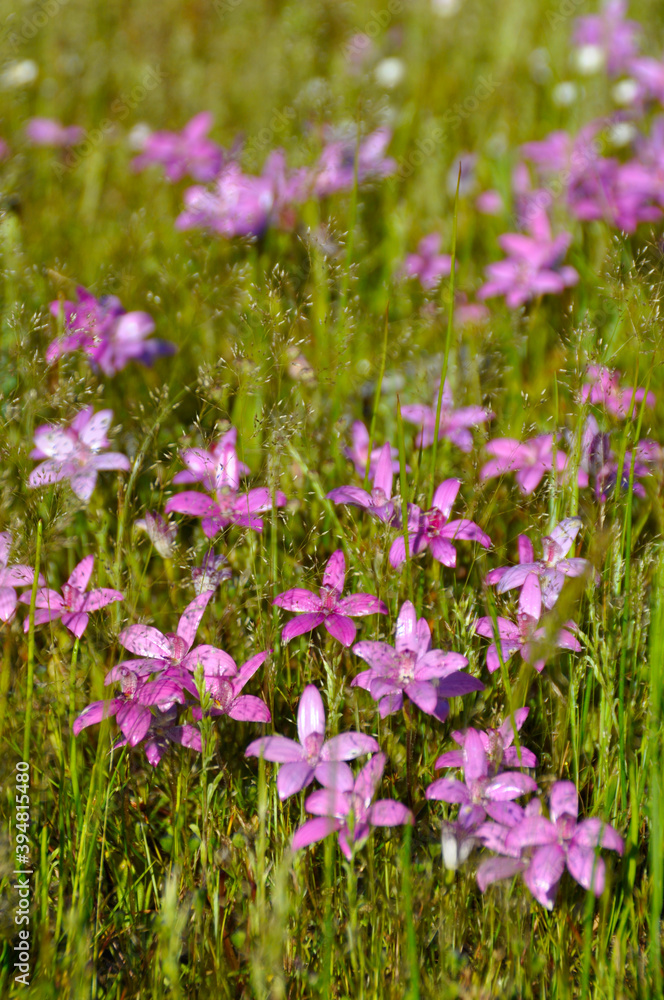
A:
{"points": [[453, 424], [551, 569], [73, 452], [189, 152], [358, 453], [482, 791], [497, 745], [159, 531], [301, 760], [378, 503], [329, 608], [427, 676], [158, 651], [433, 529], [609, 32], [526, 631], [603, 388], [109, 336], [48, 132], [131, 707], [229, 506], [427, 264], [559, 842], [530, 459], [335, 170], [217, 468], [75, 603], [533, 266], [345, 805], [12, 577], [212, 571], [164, 730], [224, 682], [597, 461]]}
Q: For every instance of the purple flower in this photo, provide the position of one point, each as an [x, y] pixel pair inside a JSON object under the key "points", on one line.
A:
{"points": [[229, 506], [328, 608], [242, 204], [157, 651], [109, 336], [345, 805], [132, 707], [378, 503], [497, 745], [532, 268], [335, 170], [428, 265], [649, 74], [433, 529], [12, 577], [73, 452], [217, 468], [623, 194], [453, 424], [427, 676], [162, 732], [212, 571], [48, 132], [603, 388], [531, 460], [482, 791], [526, 631], [551, 569], [224, 682], [611, 33], [598, 462], [559, 842], [159, 531], [358, 453], [74, 605], [301, 760], [187, 152]]}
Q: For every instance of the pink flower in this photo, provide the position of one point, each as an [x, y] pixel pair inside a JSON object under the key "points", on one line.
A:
{"points": [[110, 336], [610, 32], [428, 265], [74, 605], [181, 153], [345, 806], [131, 707], [603, 388], [379, 502], [358, 453], [551, 569], [531, 460], [300, 760], [224, 683], [335, 170], [217, 468], [228, 507], [532, 268], [525, 632], [427, 676], [329, 608], [553, 845], [159, 531], [48, 132], [162, 732], [453, 424], [497, 745], [73, 452], [482, 791], [433, 529], [12, 577]]}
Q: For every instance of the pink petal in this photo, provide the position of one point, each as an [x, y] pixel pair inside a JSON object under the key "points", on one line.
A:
{"points": [[134, 721], [298, 599], [385, 812], [215, 662], [509, 785], [368, 779], [278, 749], [293, 777], [445, 495], [494, 869], [544, 873], [515, 577], [594, 833], [305, 623], [348, 746], [532, 832], [191, 502], [100, 598], [328, 802], [476, 765], [83, 483], [449, 790], [525, 549], [8, 602], [248, 708], [341, 628], [94, 432], [423, 694], [310, 714], [191, 618], [143, 640], [76, 623], [335, 774], [563, 800], [530, 599], [335, 571], [587, 868], [358, 605], [314, 830], [467, 531], [95, 712], [443, 551]]}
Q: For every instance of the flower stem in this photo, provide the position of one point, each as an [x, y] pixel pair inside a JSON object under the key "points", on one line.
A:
{"points": [[73, 767], [31, 648]]}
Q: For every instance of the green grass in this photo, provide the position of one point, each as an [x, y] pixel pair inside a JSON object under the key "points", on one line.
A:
{"points": [[179, 881]]}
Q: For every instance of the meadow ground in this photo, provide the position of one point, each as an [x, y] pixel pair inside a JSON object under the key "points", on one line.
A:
{"points": [[280, 330]]}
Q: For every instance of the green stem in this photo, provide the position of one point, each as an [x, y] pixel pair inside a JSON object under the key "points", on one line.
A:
{"points": [[73, 767], [31, 648], [404, 496], [379, 387]]}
